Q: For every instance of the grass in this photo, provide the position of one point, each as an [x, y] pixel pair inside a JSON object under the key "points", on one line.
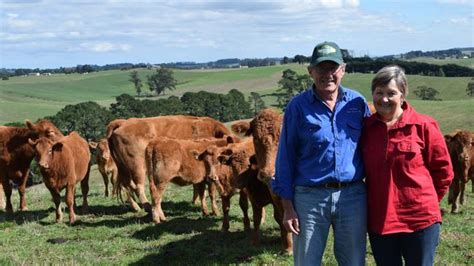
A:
{"points": [[111, 234], [467, 62]]}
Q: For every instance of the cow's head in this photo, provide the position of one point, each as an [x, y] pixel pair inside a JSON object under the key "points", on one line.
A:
{"points": [[45, 149], [103, 151], [44, 128], [265, 129], [241, 164], [460, 148]]}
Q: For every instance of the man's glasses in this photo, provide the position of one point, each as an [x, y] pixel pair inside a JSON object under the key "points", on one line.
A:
{"points": [[332, 70]]}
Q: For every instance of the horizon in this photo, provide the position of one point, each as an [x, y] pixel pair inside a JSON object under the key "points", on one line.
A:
{"points": [[114, 31]]}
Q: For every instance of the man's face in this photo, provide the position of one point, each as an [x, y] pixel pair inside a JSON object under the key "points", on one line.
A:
{"points": [[327, 76]]}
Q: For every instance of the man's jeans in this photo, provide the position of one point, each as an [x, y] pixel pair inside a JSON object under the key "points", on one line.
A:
{"points": [[417, 248], [319, 208]]}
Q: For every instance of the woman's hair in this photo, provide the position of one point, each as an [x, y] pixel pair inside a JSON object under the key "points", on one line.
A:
{"points": [[386, 74]]}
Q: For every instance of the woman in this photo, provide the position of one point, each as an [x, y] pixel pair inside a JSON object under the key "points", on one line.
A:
{"points": [[408, 171]]}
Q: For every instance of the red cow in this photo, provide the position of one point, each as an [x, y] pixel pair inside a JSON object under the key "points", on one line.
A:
{"points": [[16, 155], [63, 164], [174, 160], [129, 138], [461, 150], [105, 163], [265, 129], [223, 174]]}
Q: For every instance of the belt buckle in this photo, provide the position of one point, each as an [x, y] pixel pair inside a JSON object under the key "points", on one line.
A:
{"points": [[333, 185]]}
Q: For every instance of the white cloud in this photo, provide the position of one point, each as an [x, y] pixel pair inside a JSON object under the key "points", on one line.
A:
{"points": [[14, 22], [101, 47]]}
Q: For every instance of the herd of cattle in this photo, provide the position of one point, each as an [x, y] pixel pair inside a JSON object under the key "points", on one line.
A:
{"points": [[180, 149]]}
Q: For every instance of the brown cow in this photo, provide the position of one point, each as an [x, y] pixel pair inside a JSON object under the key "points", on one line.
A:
{"points": [[175, 160], [258, 192], [129, 138], [223, 174], [105, 163], [461, 149], [63, 164], [265, 129], [16, 155]]}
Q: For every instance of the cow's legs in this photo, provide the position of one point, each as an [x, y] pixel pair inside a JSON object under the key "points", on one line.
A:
{"points": [[70, 191], [195, 195], [22, 191], [7, 187], [462, 188], [257, 218], [157, 190], [201, 188], [57, 204], [286, 237], [453, 198], [85, 192], [212, 189], [225, 211], [244, 206], [105, 177], [2, 197]]}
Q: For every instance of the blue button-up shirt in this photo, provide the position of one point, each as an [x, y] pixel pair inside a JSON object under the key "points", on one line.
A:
{"points": [[318, 145]]}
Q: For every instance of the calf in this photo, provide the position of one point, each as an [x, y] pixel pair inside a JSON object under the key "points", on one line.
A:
{"points": [[63, 164], [174, 160], [224, 174], [105, 163], [265, 129], [16, 155], [461, 150]]}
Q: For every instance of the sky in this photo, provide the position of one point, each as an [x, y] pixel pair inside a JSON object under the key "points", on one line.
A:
{"points": [[55, 33]]}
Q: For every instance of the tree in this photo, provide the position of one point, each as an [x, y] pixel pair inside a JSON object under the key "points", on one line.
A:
{"points": [[87, 118], [137, 82], [426, 93], [160, 81], [126, 107], [470, 88], [256, 102], [290, 85]]}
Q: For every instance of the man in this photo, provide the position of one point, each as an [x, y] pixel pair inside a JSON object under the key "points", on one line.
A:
{"points": [[319, 168]]}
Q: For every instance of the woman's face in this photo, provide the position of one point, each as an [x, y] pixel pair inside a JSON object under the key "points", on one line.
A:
{"points": [[388, 99]]}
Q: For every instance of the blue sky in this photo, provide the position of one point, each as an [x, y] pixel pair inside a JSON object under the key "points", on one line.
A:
{"points": [[55, 33]]}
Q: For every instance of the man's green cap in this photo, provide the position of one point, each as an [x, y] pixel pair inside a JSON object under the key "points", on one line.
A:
{"points": [[326, 51]]}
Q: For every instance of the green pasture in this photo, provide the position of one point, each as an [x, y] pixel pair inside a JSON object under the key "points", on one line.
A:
{"points": [[111, 234], [34, 97], [467, 62]]}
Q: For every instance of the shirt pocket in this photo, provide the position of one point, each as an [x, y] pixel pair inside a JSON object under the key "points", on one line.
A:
{"points": [[354, 130], [409, 154]]}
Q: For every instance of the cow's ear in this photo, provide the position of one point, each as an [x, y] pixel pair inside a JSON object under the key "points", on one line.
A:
{"points": [[32, 142], [58, 146], [240, 127], [93, 144], [448, 138], [29, 124]]}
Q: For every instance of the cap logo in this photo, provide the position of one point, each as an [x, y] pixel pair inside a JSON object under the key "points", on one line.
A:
{"points": [[326, 49]]}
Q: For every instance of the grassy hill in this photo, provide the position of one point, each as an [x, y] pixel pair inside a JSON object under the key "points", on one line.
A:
{"points": [[467, 62], [111, 234], [35, 97]]}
